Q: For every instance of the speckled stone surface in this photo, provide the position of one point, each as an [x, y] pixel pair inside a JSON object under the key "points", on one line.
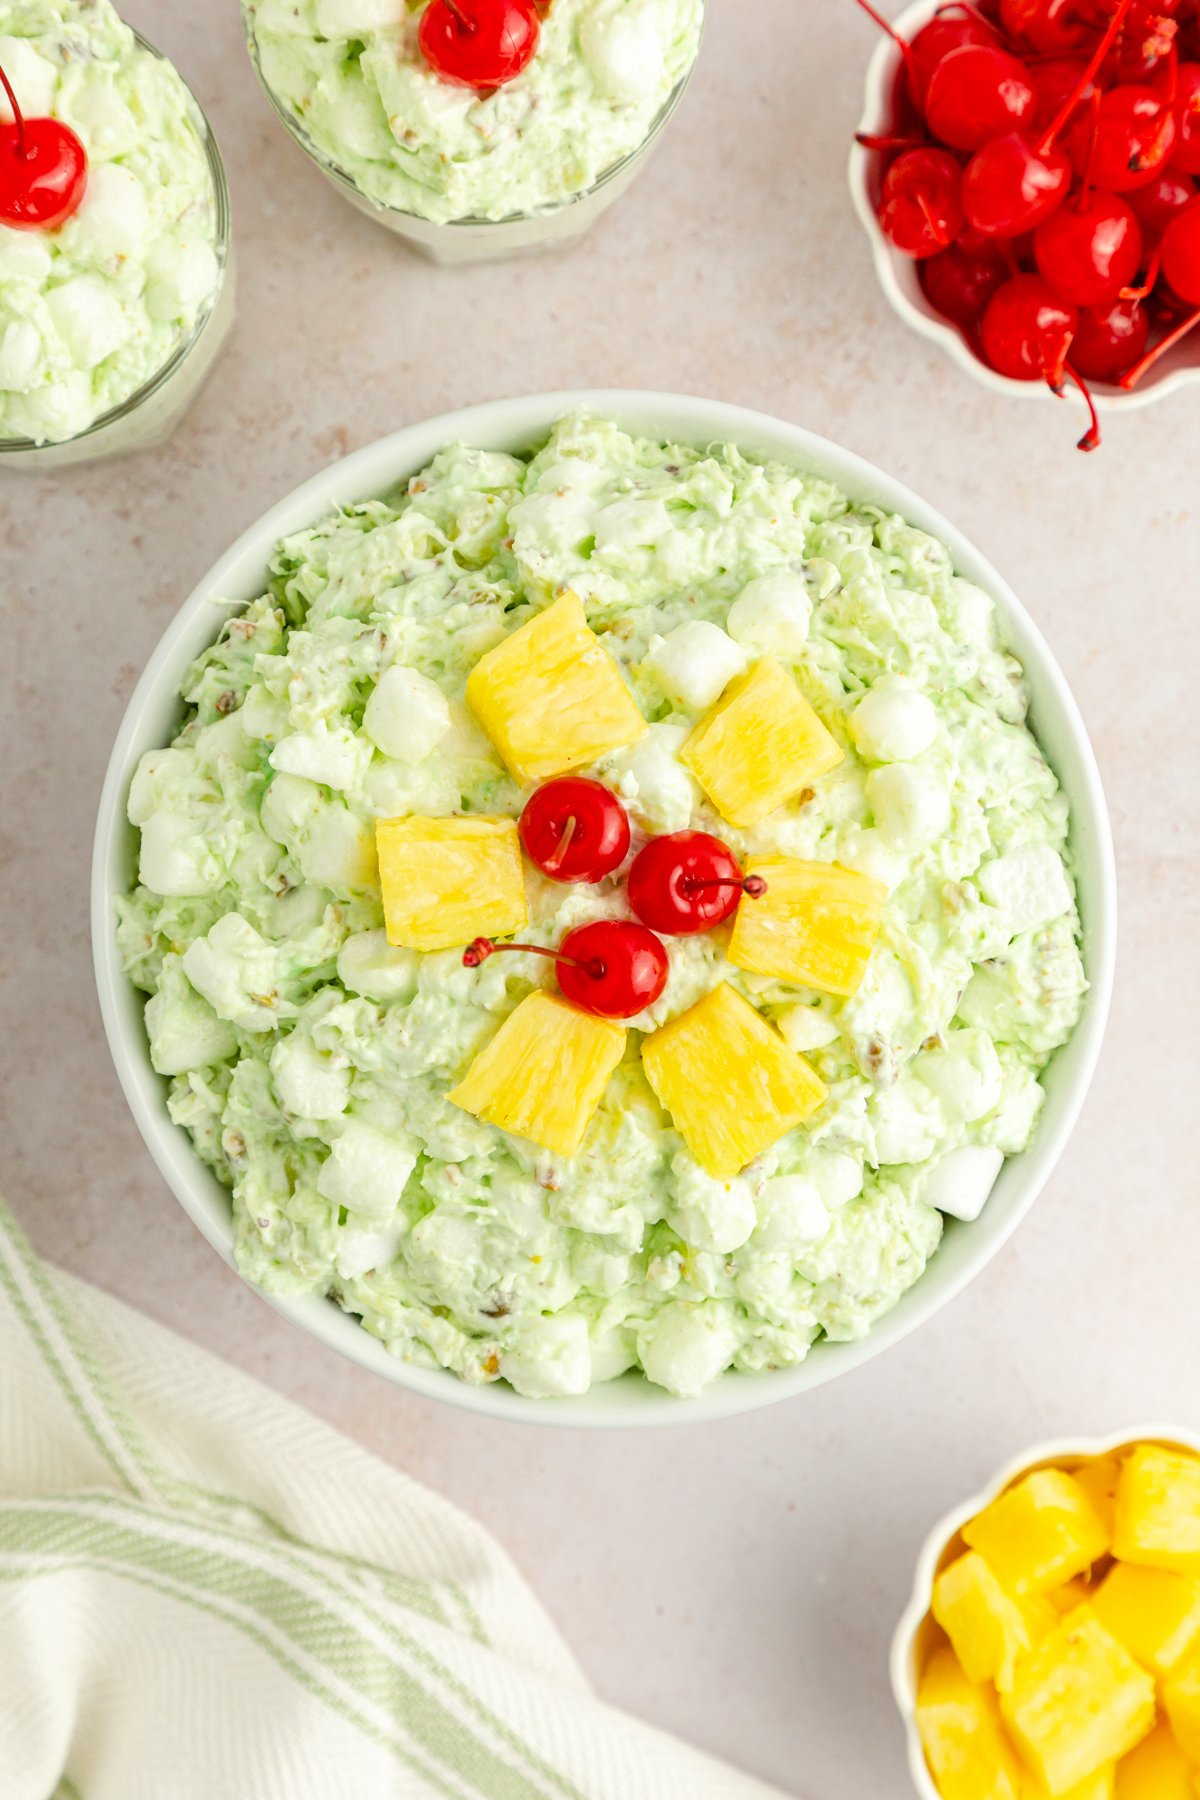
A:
{"points": [[737, 1583]]}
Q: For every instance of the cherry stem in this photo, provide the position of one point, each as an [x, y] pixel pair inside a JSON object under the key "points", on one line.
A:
{"points": [[936, 230], [902, 44], [1085, 186], [18, 115], [753, 886], [1089, 74], [1131, 377], [1148, 280], [554, 862], [482, 948], [889, 141], [470, 26], [1091, 437]]}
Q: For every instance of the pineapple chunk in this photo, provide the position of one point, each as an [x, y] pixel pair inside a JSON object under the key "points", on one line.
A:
{"points": [[446, 881], [1098, 1479], [1181, 1697], [1156, 1770], [728, 1080], [1097, 1787], [816, 924], [1072, 1594], [961, 1735], [1079, 1701], [1039, 1533], [544, 1073], [1155, 1613], [1158, 1510], [760, 744], [550, 697], [988, 1627]]}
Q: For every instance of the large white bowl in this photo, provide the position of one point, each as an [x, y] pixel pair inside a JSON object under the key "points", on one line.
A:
{"points": [[906, 1645], [153, 716], [900, 280]]}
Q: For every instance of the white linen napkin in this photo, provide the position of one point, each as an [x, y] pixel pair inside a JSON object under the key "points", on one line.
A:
{"points": [[206, 1594]]}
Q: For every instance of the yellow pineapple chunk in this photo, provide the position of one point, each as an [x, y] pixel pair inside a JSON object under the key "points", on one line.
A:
{"points": [[1156, 1770], [1097, 1787], [1079, 1701], [446, 881], [961, 1735], [728, 1080], [544, 1073], [1158, 1510], [1155, 1613], [1072, 1594], [1098, 1478], [988, 1627], [1181, 1697], [550, 697], [1039, 1533], [760, 744], [816, 925]]}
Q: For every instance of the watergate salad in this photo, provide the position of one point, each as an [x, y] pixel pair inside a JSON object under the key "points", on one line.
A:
{"points": [[94, 303], [495, 1179], [377, 97]]}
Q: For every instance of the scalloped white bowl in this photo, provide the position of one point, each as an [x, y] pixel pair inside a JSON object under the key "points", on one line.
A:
{"points": [[905, 1645], [153, 716], [899, 279]]}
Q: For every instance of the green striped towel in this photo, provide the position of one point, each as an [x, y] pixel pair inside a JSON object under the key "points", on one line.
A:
{"points": [[205, 1594]]}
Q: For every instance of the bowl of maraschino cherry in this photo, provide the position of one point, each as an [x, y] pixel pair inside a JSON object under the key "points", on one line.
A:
{"points": [[576, 831], [1027, 171]]}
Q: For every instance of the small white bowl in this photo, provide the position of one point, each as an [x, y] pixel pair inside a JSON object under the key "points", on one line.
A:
{"points": [[900, 280], [154, 714], [907, 1645]]}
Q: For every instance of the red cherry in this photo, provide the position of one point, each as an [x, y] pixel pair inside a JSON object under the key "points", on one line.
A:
{"points": [[1147, 42], [1027, 330], [1051, 26], [1181, 252], [1157, 203], [688, 882], [1186, 154], [1089, 249], [479, 43], [43, 169], [945, 32], [959, 282], [920, 211], [612, 968], [1012, 184], [1054, 83], [975, 93], [574, 829], [1109, 339], [1130, 141]]}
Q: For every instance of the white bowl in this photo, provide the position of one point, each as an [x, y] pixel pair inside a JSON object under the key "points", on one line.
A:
{"points": [[153, 716], [906, 1643], [898, 274]]}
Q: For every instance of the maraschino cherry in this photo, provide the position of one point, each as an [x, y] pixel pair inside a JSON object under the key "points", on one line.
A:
{"points": [[574, 829], [1181, 268], [479, 43], [43, 169], [688, 882], [612, 968]]}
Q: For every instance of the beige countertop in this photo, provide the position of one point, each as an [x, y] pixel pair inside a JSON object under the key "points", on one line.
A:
{"points": [[736, 1582]]}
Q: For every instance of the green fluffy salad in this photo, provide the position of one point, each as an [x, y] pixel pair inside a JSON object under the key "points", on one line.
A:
{"points": [[89, 312], [351, 76], [311, 1063]]}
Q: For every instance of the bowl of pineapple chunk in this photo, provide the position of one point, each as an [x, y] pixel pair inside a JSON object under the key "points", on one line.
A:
{"points": [[866, 1026], [1052, 1644]]}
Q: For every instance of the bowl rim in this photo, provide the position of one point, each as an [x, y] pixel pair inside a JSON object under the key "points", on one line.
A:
{"points": [[512, 424], [1052, 1450], [881, 73]]}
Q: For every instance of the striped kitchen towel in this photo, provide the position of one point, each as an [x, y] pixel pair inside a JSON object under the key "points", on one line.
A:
{"points": [[206, 1594]]}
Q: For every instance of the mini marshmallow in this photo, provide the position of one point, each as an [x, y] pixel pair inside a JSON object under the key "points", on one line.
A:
{"points": [[336, 758], [773, 613], [367, 1171], [893, 722], [89, 317], [910, 804], [695, 663], [624, 51], [407, 715], [175, 859], [1029, 886], [961, 1183], [549, 1356], [309, 1083]]}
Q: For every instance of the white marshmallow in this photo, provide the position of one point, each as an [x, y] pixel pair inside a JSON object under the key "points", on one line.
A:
{"points": [[791, 1213], [60, 410], [309, 1083], [157, 772], [175, 859], [234, 967], [549, 1356], [359, 1252], [336, 759], [1029, 886], [89, 317], [367, 1171], [264, 715], [962, 1182], [773, 613], [24, 255], [407, 715], [368, 965], [338, 851], [807, 1028], [112, 219], [710, 1214], [838, 1177], [181, 274], [185, 1033], [695, 663], [355, 18], [624, 51], [630, 524], [686, 1347], [965, 1075], [289, 805], [893, 722], [659, 791], [910, 804], [34, 78], [20, 356]]}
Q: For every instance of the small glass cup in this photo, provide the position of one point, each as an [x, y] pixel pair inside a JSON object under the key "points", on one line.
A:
{"points": [[473, 240], [151, 412]]}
